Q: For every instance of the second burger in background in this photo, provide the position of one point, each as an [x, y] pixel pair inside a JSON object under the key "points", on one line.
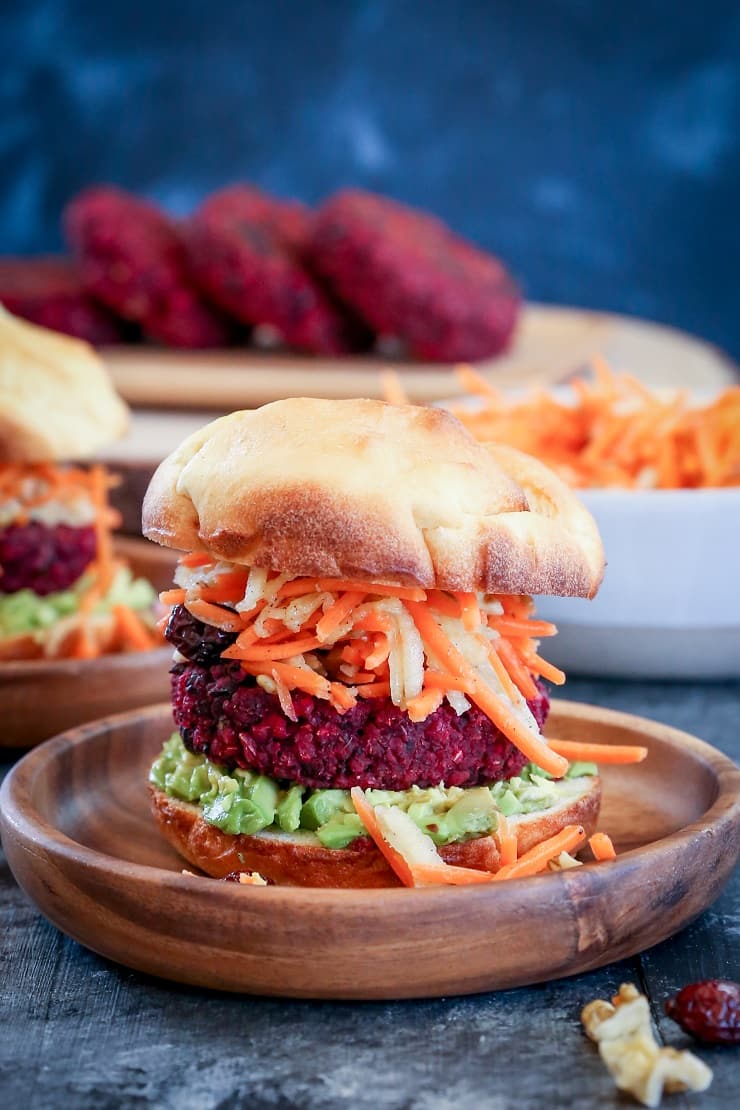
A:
{"points": [[63, 593]]}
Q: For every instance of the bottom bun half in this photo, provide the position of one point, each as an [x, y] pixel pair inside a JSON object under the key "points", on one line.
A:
{"points": [[299, 859]]}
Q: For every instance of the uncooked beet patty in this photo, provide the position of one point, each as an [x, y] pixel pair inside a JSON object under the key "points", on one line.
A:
{"points": [[43, 558], [222, 713], [409, 276], [132, 258]]}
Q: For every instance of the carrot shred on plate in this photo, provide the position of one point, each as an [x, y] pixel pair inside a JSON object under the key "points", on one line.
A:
{"points": [[598, 753], [537, 858], [413, 874], [507, 842], [366, 813], [602, 847]]}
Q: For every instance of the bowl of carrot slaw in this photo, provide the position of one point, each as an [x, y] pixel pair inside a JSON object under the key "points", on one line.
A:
{"points": [[661, 475]]}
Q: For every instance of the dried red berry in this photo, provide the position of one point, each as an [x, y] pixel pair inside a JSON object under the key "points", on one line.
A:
{"points": [[709, 1011]]}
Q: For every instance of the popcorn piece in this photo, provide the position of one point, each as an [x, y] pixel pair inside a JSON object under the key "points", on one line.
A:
{"points": [[624, 1033]]}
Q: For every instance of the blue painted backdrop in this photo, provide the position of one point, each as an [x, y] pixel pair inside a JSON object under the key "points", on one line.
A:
{"points": [[594, 145]]}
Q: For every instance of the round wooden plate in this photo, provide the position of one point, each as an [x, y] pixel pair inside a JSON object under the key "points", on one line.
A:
{"points": [[80, 841], [39, 698]]}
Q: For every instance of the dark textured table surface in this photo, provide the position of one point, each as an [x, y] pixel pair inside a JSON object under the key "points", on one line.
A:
{"points": [[79, 1032]]}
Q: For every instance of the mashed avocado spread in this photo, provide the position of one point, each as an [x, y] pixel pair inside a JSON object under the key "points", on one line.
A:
{"points": [[245, 802], [24, 612]]}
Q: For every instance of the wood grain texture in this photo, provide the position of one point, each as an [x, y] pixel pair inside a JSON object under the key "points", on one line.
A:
{"points": [[551, 343], [79, 839], [39, 698]]}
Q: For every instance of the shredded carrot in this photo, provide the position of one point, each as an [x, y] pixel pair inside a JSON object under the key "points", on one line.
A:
{"points": [[271, 651], [540, 666], [195, 559], [341, 697], [300, 586], [103, 542], [510, 626], [503, 675], [438, 680], [173, 597], [133, 631], [374, 690], [515, 605], [474, 382], [599, 753], [602, 847], [507, 842], [493, 706], [443, 603], [412, 874], [295, 678], [448, 874], [228, 587], [391, 388], [516, 668], [338, 612], [537, 858], [469, 611], [614, 431], [423, 704], [366, 813], [215, 615], [380, 652]]}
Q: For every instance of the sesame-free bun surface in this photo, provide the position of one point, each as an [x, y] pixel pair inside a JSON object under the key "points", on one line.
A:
{"points": [[365, 489], [299, 859], [56, 399]]}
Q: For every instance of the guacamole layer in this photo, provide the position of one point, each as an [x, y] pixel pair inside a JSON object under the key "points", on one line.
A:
{"points": [[24, 613], [239, 801]]}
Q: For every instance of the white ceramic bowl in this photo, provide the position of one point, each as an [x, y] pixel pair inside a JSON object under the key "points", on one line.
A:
{"points": [[669, 606]]}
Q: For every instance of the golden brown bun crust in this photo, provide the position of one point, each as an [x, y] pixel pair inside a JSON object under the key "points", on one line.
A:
{"points": [[365, 489], [56, 399], [287, 860]]}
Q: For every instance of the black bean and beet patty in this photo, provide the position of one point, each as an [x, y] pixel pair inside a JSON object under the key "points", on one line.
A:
{"points": [[222, 713]]}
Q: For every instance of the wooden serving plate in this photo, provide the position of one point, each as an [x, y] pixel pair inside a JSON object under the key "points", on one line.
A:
{"points": [[551, 343], [39, 698], [80, 840]]}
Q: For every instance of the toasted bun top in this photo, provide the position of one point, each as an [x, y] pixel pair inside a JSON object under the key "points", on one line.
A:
{"points": [[365, 489], [56, 399]]}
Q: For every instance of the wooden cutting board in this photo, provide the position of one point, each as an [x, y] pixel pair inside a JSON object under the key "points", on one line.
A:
{"points": [[551, 344]]}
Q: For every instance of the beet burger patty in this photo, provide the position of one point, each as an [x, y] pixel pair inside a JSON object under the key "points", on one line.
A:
{"points": [[357, 676], [222, 713], [409, 276]]}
